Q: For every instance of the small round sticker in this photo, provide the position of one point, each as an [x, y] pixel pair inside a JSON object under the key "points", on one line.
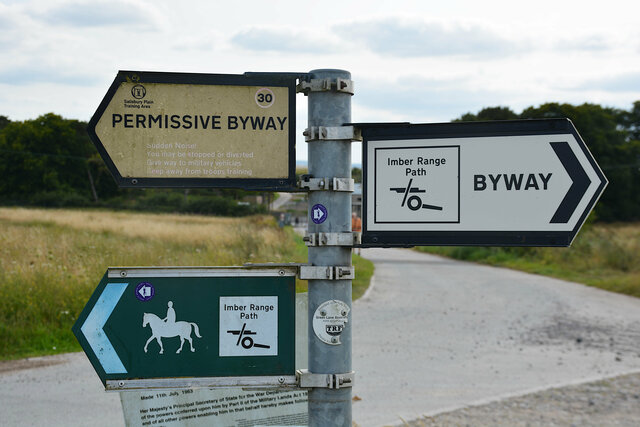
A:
{"points": [[329, 321], [319, 214], [145, 291], [265, 97]]}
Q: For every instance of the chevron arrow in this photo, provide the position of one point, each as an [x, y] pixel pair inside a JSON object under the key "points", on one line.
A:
{"points": [[93, 328], [580, 182]]}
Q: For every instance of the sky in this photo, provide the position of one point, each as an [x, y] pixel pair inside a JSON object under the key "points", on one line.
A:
{"points": [[417, 61]]}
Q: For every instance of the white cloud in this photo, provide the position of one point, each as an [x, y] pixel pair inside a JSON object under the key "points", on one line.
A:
{"points": [[36, 73], [283, 40], [626, 82], [593, 43], [81, 14], [419, 99], [402, 38]]}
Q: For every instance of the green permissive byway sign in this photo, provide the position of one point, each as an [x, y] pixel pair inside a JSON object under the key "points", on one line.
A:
{"points": [[149, 323]]}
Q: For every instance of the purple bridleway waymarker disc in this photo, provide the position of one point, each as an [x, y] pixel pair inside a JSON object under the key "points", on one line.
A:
{"points": [[145, 291], [318, 214]]}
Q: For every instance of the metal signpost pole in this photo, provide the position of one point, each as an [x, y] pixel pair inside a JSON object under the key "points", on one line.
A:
{"points": [[329, 212]]}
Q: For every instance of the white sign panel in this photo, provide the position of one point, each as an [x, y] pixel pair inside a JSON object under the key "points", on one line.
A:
{"points": [[424, 184], [249, 326], [220, 407], [502, 182]]}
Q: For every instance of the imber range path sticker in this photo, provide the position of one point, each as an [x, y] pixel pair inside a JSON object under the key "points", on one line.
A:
{"points": [[249, 326], [421, 172], [145, 323], [179, 129]]}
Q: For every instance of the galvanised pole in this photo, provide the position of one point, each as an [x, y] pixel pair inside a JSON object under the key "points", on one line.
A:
{"points": [[329, 159]]}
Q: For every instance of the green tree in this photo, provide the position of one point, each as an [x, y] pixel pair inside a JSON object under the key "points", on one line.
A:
{"points": [[47, 155], [356, 174], [4, 121], [631, 121]]}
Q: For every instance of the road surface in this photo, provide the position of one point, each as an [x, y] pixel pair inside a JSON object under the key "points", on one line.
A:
{"points": [[434, 334], [431, 335]]}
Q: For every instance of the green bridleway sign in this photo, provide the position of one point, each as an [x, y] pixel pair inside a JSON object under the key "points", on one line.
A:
{"points": [[193, 326]]}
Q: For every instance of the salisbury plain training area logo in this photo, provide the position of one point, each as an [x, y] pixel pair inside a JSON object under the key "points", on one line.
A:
{"points": [[138, 91]]}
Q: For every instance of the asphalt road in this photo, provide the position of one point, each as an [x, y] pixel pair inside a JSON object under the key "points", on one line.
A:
{"points": [[434, 334], [431, 335]]}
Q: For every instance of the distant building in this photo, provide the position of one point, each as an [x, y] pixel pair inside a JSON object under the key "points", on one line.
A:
{"points": [[356, 199]]}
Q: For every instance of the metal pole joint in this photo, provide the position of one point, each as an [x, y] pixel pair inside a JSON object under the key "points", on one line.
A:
{"points": [[333, 239], [329, 272], [326, 85], [330, 184], [307, 379], [332, 133]]}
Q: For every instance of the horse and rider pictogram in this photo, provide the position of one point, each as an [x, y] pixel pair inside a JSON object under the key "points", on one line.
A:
{"points": [[168, 328]]}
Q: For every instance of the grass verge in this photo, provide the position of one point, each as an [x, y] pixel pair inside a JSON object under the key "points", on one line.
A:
{"points": [[605, 256]]}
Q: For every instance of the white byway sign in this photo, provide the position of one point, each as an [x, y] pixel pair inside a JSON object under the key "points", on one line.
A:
{"points": [[495, 183]]}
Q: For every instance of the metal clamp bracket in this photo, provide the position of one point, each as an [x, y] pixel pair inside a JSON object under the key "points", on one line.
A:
{"points": [[331, 133], [333, 184], [333, 239], [307, 379], [325, 85], [310, 272], [313, 272]]}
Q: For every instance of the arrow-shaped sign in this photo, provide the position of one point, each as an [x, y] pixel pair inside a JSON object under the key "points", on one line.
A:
{"points": [[511, 183], [153, 324], [198, 130]]}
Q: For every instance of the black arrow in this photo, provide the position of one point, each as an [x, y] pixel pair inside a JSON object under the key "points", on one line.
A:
{"points": [[579, 186]]}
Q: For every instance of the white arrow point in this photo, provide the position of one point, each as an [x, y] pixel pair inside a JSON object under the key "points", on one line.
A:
{"points": [[144, 291], [94, 332]]}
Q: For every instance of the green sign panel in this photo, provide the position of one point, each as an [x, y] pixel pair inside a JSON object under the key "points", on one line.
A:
{"points": [[177, 324]]}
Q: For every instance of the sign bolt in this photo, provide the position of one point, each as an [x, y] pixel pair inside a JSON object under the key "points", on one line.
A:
{"points": [[323, 313], [344, 313], [123, 274], [334, 339], [281, 380], [120, 384]]}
